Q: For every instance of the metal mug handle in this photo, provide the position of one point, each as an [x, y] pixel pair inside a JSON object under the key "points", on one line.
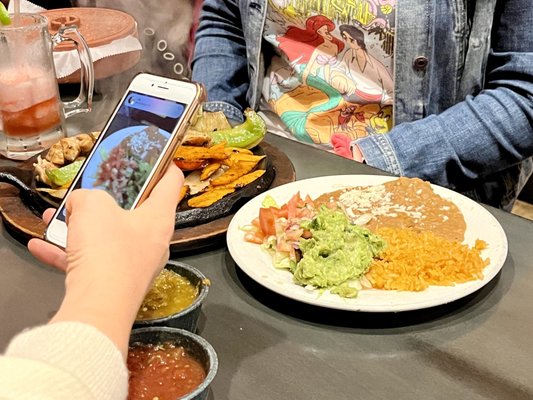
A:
{"points": [[83, 102]]}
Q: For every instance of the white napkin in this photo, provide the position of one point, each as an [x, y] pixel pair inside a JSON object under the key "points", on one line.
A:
{"points": [[25, 7], [68, 62]]}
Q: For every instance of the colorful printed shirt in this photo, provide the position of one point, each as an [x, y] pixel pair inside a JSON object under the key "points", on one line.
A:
{"points": [[332, 69]]}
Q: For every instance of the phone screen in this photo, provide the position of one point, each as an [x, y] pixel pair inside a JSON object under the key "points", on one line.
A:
{"points": [[130, 147]]}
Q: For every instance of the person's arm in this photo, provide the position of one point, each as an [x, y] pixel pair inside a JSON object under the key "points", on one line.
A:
{"points": [[112, 255], [68, 360], [481, 135], [219, 60], [111, 259]]}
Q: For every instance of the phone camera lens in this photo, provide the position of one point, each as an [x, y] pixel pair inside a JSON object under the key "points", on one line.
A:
{"points": [[131, 100]]}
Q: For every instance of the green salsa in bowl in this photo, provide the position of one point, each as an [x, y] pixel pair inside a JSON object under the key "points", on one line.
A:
{"points": [[175, 299]]}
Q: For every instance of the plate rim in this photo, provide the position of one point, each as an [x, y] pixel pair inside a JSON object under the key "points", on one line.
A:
{"points": [[451, 293]]}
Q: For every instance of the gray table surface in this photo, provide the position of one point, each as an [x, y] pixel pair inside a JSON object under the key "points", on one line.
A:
{"points": [[269, 347]]}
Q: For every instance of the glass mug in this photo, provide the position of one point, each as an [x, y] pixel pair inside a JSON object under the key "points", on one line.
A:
{"points": [[32, 116]]}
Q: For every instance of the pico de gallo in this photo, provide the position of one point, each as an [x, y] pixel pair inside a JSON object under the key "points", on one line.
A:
{"points": [[316, 242]]}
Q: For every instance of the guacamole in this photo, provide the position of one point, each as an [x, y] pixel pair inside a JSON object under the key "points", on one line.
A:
{"points": [[337, 253]]}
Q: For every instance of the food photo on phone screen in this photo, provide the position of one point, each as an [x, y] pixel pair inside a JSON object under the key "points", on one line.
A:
{"points": [[131, 147], [136, 145]]}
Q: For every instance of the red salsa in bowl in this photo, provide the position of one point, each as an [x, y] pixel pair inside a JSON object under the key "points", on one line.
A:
{"points": [[168, 363], [163, 371]]}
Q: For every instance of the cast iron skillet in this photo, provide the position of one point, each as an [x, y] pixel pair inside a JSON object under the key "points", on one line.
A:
{"points": [[22, 177], [186, 216]]}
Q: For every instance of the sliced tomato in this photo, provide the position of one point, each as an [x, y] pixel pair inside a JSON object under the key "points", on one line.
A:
{"points": [[256, 223], [279, 212], [300, 208], [292, 205], [267, 219]]}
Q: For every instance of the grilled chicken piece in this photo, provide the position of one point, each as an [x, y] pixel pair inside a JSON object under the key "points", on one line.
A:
{"points": [[71, 148], [85, 141], [55, 154]]}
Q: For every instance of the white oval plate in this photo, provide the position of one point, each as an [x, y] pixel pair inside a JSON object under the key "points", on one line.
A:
{"points": [[257, 264]]}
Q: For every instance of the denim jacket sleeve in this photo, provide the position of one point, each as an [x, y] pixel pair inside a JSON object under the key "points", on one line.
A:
{"points": [[485, 133], [220, 60]]}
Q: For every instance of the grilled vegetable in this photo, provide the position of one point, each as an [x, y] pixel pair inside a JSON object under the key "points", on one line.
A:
{"points": [[246, 135], [209, 197], [64, 175]]}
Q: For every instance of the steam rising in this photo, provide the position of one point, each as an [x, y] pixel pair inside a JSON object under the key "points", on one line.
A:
{"points": [[164, 32]]}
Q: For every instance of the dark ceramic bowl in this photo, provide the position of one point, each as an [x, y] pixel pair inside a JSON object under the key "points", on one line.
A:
{"points": [[196, 346], [188, 317]]}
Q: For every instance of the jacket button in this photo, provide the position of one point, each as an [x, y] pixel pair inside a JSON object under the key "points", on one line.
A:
{"points": [[420, 63]]}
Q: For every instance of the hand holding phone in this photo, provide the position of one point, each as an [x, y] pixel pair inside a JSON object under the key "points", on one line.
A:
{"points": [[136, 144], [105, 280]]}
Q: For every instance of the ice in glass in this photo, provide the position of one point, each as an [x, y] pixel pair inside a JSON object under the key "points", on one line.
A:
{"points": [[31, 112], [29, 103]]}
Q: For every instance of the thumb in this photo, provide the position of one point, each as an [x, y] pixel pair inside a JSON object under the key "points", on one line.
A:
{"points": [[48, 254], [164, 197]]}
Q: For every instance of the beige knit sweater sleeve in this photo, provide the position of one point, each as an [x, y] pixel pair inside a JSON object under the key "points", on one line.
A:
{"points": [[65, 360]]}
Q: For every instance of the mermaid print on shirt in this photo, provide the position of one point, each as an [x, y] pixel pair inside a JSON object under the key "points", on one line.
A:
{"points": [[333, 73]]}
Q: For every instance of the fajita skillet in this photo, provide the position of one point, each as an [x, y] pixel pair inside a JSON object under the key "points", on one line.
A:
{"points": [[22, 177]]}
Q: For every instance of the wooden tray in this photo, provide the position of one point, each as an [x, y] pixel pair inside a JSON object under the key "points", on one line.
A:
{"points": [[23, 224]]}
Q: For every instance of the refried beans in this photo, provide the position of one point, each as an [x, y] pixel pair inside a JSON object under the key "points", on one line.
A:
{"points": [[402, 203]]}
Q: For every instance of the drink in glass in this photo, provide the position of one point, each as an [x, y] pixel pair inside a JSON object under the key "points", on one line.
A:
{"points": [[31, 113], [29, 103]]}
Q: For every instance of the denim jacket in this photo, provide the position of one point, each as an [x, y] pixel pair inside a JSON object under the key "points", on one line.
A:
{"points": [[463, 105]]}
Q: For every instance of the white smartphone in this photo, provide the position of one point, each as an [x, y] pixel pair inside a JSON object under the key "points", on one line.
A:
{"points": [[136, 145]]}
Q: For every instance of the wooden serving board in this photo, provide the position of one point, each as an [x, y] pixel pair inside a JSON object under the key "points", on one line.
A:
{"points": [[23, 224]]}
